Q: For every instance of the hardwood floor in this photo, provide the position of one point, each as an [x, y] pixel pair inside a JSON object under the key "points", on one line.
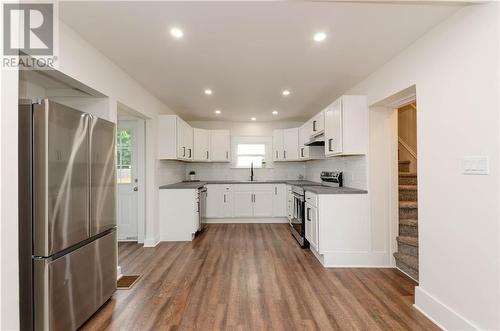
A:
{"points": [[253, 277]]}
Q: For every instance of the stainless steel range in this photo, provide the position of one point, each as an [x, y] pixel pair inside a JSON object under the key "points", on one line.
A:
{"points": [[328, 178]]}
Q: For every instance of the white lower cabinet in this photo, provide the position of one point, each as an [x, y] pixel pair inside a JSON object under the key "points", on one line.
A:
{"points": [[246, 201], [311, 228], [175, 205], [219, 201]]}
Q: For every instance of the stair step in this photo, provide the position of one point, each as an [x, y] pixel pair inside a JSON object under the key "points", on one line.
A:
{"points": [[404, 166], [408, 192], [407, 178], [408, 246], [408, 204], [410, 241], [401, 260], [408, 222]]}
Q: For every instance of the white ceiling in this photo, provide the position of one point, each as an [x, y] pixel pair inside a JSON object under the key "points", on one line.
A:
{"points": [[247, 53]]}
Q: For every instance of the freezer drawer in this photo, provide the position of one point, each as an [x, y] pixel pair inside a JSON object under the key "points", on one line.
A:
{"points": [[102, 176], [69, 289], [60, 178]]}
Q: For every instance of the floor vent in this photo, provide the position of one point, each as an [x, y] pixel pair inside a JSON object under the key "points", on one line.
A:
{"points": [[126, 282]]}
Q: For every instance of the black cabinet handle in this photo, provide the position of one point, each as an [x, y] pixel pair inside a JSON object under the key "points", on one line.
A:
{"points": [[276, 155], [224, 198], [183, 151], [302, 152], [314, 126], [284, 155], [189, 153], [275, 190], [227, 155], [308, 216], [330, 141], [207, 155]]}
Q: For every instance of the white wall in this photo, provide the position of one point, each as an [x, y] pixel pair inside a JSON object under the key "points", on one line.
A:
{"points": [[455, 69]]}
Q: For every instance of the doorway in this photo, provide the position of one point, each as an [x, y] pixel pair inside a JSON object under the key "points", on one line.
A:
{"points": [[406, 255], [130, 164]]}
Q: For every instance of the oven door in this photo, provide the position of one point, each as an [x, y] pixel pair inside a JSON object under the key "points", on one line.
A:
{"points": [[297, 221]]}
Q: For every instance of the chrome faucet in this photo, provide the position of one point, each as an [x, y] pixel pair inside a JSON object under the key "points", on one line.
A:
{"points": [[251, 172]]}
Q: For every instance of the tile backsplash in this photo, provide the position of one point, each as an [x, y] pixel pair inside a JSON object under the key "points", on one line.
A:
{"points": [[217, 171], [353, 167], [170, 172]]}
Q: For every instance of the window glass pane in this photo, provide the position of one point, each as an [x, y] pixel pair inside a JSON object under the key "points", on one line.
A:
{"points": [[123, 161], [245, 161], [251, 149]]}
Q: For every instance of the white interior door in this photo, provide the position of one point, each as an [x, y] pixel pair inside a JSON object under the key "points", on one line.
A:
{"points": [[127, 180]]}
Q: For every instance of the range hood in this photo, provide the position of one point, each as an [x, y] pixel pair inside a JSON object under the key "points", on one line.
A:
{"points": [[318, 140]]}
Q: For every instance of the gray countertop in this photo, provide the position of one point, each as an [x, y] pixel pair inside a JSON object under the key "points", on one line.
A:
{"points": [[310, 186], [333, 190]]}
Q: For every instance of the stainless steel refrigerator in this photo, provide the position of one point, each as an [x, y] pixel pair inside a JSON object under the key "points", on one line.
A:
{"points": [[67, 210]]}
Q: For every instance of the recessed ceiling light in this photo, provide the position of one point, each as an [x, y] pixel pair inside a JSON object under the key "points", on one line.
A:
{"points": [[285, 93], [253, 119], [217, 111], [275, 112], [208, 92], [319, 37], [176, 33]]}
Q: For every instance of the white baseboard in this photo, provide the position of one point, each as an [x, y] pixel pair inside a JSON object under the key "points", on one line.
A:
{"points": [[334, 259], [151, 242], [272, 220], [442, 315], [118, 272]]}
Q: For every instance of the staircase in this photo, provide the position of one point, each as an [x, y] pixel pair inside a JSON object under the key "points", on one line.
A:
{"points": [[407, 254]]}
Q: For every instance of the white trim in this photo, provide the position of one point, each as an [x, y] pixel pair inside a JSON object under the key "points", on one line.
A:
{"points": [[331, 259], [249, 220], [151, 242], [119, 272], [435, 310]]}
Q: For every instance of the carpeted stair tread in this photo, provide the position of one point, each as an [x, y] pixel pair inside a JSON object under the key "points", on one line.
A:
{"points": [[408, 204], [408, 222], [408, 260], [404, 162], [412, 241], [408, 187], [407, 174]]}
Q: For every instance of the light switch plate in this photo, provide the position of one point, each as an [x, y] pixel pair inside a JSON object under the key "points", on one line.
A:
{"points": [[475, 165]]}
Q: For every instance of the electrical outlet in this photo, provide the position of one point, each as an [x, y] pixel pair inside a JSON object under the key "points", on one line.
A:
{"points": [[475, 165]]}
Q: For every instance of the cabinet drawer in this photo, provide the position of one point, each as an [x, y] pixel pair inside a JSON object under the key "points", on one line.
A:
{"points": [[312, 198]]}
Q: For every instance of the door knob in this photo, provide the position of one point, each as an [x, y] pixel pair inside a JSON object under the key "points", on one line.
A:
{"points": [[136, 189]]}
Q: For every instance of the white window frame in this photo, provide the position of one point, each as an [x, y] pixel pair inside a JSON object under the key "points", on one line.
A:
{"points": [[268, 141]]}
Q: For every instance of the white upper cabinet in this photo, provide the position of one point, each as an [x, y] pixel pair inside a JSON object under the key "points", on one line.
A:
{"points": [[278, 147], [346, 126], [317, 124], [201, 145], [211, 145], [291, 144], [220, 146], [286, 145], [304, 135], [175, 138]]}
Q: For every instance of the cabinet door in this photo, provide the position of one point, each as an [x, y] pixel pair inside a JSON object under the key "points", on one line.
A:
{"points": [[291, 144], [333, 128], [263, 203], [278, 148], [214, 201], [220, 145], [188, 141], [318, 123], [181, 138], [280, 201], [227, 199], [304, 137], [201, 145], [311, 226], [243, 204]]}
